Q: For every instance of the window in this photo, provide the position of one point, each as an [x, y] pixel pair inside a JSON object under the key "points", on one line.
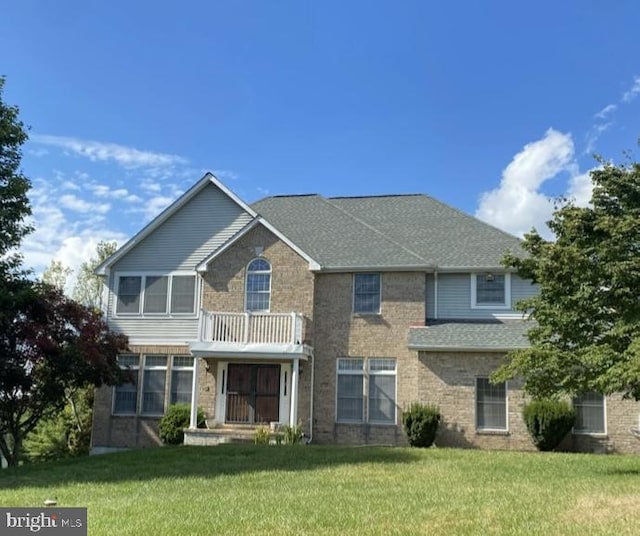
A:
{"points": [[153, 384], [590, 414], [366, 293], [350, 386], [491, 405], [258, 291], [125, 396], [183, 293], [382, 391], [181, 379], [129, 294], [379, 383], [156, 294], [490, 291]]}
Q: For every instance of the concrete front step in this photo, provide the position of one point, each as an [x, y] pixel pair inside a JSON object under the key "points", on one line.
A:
{"points": [[221, 435]]}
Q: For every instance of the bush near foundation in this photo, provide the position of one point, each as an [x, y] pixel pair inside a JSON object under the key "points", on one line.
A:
{"points": [[174, 422], [420, 423], [548, 422]]}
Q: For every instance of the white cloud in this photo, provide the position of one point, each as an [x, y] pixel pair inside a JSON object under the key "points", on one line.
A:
{"points": [[594, 134], [517, 205], [149, 185], [73, 202], [58, 235], [580, 189], [633, 91], [38, 152], [105, 191], [127, 157], [606, 111]]}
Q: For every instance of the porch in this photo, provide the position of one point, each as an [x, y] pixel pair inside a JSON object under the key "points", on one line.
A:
{"points": [[254, 362], [220, 435]]}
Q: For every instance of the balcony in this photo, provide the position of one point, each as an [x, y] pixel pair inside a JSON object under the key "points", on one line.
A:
{"points": [[270, 335]]}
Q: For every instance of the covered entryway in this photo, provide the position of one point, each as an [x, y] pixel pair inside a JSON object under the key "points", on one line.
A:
{"points": [[253, 393]]}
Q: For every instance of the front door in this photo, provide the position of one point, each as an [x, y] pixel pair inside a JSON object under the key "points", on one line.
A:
{"points": [[253, 393]]}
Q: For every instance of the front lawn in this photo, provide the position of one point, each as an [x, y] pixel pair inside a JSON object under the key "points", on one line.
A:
{"points": [[233, 489]]}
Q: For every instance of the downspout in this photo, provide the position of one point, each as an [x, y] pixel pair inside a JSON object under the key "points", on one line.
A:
{"points": [[435, 295], [313, 368]]}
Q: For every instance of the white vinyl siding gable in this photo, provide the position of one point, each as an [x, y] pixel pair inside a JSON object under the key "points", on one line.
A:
{"points": [[176, 247], [195, 231]]}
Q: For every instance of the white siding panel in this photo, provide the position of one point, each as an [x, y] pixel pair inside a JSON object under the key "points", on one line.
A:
{"points": [[454, 297], [430, 296], [179, 329], [196, 230], [522, 289]]}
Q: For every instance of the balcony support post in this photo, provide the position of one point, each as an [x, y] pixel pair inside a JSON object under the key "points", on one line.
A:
{"points": [[193, 421], [293, 413]]}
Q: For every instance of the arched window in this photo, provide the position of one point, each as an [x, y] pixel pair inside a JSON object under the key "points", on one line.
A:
{"points": [[258, 291]]}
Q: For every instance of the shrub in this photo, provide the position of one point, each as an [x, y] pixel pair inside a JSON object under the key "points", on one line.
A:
{"points": [[548, 422], [292, 434], [261, 437], [65, 434], [420, 423], [174, 422]]}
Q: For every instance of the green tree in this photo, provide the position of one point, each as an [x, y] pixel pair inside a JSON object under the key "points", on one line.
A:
{"points": [[56, 274], [14, 203], [89, 286], [587, 336]]}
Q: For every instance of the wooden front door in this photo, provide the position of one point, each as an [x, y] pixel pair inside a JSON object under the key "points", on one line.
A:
{"points": [[253, 393]]}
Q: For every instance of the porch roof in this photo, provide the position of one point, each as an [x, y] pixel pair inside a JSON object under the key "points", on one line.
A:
{"points": [[470, 336], [260, 351]]}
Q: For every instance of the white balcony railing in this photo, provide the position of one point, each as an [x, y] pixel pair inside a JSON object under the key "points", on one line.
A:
{"points": [[251, 328]]}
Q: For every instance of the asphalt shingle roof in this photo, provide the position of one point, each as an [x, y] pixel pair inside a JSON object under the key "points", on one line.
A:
{"points": [[386, 232], [457, 335]]}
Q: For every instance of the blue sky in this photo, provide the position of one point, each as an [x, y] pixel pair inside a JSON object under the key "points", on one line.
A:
{"points": [[494, 107]]}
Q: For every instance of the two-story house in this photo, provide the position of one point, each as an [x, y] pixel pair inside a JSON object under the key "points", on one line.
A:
{"points": [[334, 313]]}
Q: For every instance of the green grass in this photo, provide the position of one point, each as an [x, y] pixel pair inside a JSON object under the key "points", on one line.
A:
{"points": [[234, 489]]}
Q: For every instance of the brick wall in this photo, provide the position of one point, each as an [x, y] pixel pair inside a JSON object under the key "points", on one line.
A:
{"points": [[448, 380], [124, 431], [341, 333], [292, 289]]}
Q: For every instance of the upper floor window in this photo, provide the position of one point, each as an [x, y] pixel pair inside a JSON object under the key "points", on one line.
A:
{"points": [[156, 294], [366, 293], [490, 291], [258, 281]]}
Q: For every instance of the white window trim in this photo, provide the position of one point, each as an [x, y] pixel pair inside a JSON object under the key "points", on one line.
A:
{"points": [[366, 372], [168, 313], [113, 391], [140, 368], [507, 293], [394, 373], [178, 368], [360, 372], [353, 295], [506, 409], [146, 368], [604, 418], [246, 282]]}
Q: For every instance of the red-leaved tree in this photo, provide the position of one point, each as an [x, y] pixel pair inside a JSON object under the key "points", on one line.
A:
{"points": [[50, 346]]}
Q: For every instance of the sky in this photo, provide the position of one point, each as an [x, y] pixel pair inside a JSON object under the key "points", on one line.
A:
{"points": [[494, 107]]}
